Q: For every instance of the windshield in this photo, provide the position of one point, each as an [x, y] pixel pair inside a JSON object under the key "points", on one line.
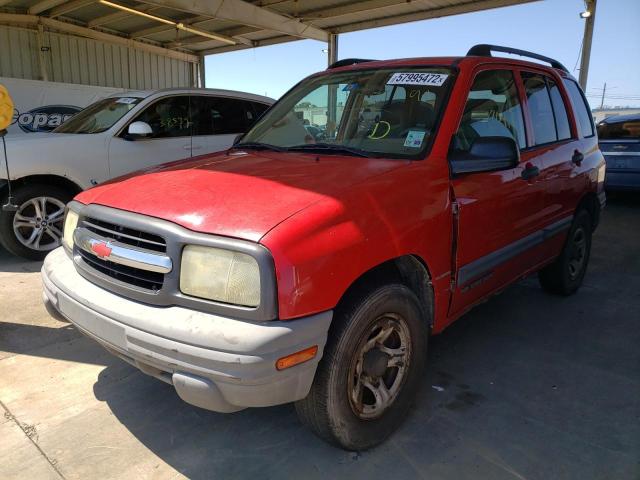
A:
{"points": [[383, 112], [624, 130], [100, 116]]}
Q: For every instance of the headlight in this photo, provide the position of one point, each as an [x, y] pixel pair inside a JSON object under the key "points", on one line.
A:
{"points": [[220, 275], [70, 224]]}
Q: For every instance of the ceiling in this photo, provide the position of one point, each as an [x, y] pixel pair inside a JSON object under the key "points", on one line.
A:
{"points": [[235, 24]]}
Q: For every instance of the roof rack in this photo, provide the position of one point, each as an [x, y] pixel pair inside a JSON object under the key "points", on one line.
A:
{"points": [[484, 50], [349, 61]]}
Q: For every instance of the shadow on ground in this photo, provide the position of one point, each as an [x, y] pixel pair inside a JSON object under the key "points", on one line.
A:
{"points": [[11, 264], [526, 385]]}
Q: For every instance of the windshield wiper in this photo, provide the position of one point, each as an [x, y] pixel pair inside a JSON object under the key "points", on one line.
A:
{"points": [[259, 146], [329, 147]]}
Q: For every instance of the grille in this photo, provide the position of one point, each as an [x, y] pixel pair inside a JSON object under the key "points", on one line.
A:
{"points": [[125, 235], [151, 281]]}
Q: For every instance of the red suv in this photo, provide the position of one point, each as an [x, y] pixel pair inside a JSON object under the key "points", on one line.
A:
{"points": [[369, 208]]}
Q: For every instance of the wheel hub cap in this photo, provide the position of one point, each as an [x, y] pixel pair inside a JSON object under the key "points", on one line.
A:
{"points": [[375, 363]]}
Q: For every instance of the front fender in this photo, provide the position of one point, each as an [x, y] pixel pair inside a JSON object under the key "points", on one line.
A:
{"points": [[322, 250]]}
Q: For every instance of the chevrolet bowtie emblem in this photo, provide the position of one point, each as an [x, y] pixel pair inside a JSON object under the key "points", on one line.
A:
{"points": [[101, 249]]}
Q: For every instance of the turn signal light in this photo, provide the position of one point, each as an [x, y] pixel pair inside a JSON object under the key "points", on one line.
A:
{"points": [[297, 358]]}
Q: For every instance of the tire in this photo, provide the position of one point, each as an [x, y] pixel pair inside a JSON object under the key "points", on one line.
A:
{"points": [[334, 410], [29, 201], [565, 275]]}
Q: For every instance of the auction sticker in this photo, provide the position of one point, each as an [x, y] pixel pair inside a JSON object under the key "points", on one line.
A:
{"points": [[127, 100], [414, 138], [417, 78]]}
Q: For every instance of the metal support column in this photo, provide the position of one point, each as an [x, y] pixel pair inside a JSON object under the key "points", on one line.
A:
{"points": [[332, 104], [586, 42], [332, 55], [202, 72], [44, 75]]}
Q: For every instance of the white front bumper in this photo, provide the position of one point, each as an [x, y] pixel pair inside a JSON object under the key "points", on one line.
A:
{"points": [[217, 363]]}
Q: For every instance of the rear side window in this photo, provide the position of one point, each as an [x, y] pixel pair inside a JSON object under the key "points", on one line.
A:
{"points": [[542, 120], [621, 130], [492, 110], [220, 116], [559, 111], [580, 107]]}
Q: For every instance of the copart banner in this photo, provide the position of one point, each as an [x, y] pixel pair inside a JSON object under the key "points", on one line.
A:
{"points": [[42, 106]]}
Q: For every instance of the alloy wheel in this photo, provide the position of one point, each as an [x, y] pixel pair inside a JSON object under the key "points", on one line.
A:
{"points": [[379, 367], [38, 223], [578, 253]]}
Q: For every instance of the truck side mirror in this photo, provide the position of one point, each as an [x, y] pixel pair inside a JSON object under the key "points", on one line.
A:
{"points": [[485, 155], [138, 130]]}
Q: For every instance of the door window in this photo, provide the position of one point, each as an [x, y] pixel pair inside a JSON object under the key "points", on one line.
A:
{"points": [[580, 107], [259, 109], [220, 116], [168, 117], [542, 120], [492, 110]]}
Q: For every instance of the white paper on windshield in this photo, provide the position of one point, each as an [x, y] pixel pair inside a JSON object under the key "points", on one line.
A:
{"points": [[127, 100], [417, 78], [414, 138]]}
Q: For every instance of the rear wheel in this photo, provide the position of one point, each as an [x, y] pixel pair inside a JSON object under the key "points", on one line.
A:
{"points": [[371, 369], [36, 228], [565, 275]]}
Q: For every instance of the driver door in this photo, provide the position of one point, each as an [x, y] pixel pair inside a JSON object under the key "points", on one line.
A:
{"points": [[498, 212], [171, 125]]}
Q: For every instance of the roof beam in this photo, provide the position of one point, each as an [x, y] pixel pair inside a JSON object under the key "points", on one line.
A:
{"points": [[96, 35], [178, 25], [145, 32], [467, 7], [69, 7], [44, 5], [117, 16], [354, 7], [245, 13], [258, 43], [234, 32], [314, 14]]}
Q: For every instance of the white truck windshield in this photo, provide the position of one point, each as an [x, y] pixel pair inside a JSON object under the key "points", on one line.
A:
{"points": [[99, 116]]}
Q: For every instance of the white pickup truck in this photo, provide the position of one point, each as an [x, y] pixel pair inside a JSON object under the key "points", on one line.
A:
{"points": [[114, 136]]}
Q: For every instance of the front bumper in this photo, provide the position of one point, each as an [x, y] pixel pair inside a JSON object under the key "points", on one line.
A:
{"points": [[214, 362]]}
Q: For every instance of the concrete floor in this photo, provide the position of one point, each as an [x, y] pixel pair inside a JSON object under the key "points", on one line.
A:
{"points": [[526, 386]]}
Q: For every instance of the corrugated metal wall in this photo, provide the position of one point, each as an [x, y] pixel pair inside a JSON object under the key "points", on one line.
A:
{"points": [[74, 59]]}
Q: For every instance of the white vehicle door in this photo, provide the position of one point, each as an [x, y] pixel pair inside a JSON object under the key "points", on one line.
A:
{"points": [[170, 138], [218, 121]]}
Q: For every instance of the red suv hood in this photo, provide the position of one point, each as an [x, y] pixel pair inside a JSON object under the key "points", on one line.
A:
{"points": [[241, 194]]}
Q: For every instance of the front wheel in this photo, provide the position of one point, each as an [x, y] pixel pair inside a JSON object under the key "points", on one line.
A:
{"points": [[371, 369], [565, 275], [36, 228]]}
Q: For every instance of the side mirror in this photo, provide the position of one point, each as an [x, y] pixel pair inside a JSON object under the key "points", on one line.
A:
{"points": [[139, 130], [486, 154]]}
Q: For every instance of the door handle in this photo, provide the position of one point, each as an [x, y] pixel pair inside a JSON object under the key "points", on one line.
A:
{"points": [[530, 171], [577, 158], [186, 147]]}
